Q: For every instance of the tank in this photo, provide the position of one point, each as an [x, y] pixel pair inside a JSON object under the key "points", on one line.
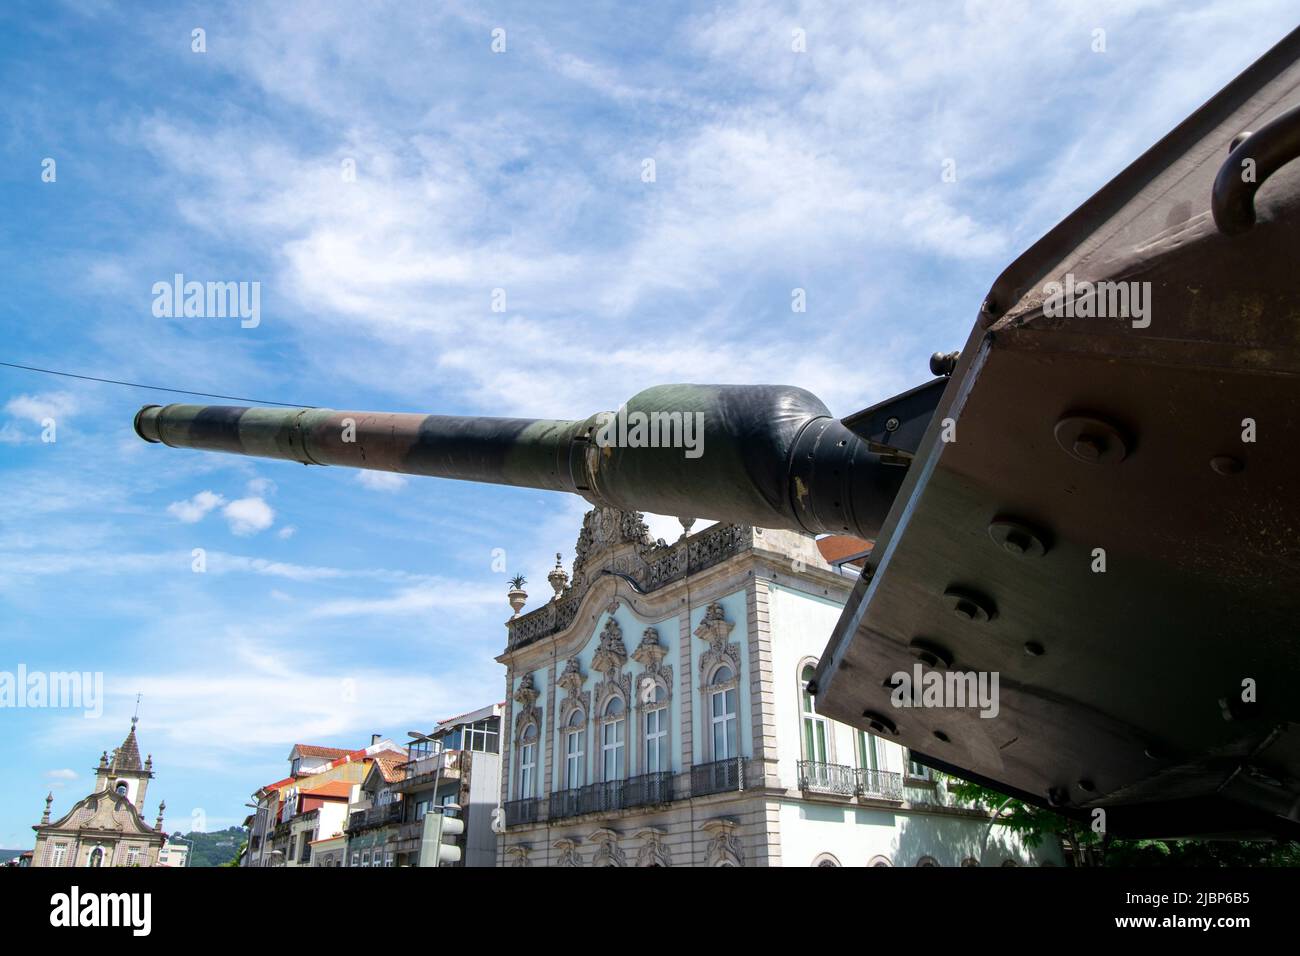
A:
{"points": [[766, 455]]}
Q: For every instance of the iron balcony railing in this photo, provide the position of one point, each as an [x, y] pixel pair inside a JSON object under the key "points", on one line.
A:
{"points": [[519, 812], [827, 778], [719, 776], [602, 797], [648, 789], [880, 783], [375, 816], [564, 803]]}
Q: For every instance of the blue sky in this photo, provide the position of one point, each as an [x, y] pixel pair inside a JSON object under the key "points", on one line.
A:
{"points": [[336, 605]]}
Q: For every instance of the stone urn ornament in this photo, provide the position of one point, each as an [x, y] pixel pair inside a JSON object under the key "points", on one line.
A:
{"points": [[517, 594], [558, 578]]}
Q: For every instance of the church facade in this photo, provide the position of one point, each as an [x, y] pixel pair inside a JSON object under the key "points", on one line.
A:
{"points": [[658, 715], [106, 827]]}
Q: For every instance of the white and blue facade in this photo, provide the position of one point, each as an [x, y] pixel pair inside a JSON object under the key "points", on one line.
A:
{"points": [[667, 724]]}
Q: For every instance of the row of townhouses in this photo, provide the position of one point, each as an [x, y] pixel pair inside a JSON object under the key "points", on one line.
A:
{"points": [[657, 713]]}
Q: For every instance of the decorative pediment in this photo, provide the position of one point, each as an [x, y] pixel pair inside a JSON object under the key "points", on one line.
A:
{"points": [[519, 854], [572, 678], [575, 697], [608, 852], [716, 629], [653, 850], [650, 654], [651, 651], [569, 855], [611, 655], [724, 846], [526, 695], [526, 698]]}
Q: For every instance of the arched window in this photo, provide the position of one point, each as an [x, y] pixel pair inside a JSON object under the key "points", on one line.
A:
{"points": [[722, 711], [970, 861], [656, 731], [880, 861], [825, 859], [613, 729], [573, 750], [122, 787], [927, 861], [815, 732], [527, 761]]}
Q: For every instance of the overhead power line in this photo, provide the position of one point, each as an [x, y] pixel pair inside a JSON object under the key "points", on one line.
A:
{"points": [[152, 388]]}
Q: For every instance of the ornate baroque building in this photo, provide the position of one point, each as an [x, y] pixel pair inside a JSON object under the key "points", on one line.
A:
{"points": [[107, 827], [656, 716]]}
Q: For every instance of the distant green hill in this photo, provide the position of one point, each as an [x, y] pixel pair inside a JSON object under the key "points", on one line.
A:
{"points": [[215, 848]]}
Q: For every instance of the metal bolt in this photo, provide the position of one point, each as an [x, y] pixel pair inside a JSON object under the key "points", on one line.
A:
{"points": [[892, 425], [1086, 446]]}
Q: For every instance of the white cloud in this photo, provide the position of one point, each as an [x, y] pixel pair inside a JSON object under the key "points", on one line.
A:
{"points": [[287, 532], [64, 774], [37, 408], [195, 508], [248, 516], [381, 480]]}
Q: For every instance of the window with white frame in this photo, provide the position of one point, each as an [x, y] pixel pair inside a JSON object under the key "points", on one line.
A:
{"points": [[656, 732], [574, 753], [815, 728], [613, 732], [868, 751], [527, 761], [722, 713], [365, 858], [60, 854], [356, 857], [133, 856]]}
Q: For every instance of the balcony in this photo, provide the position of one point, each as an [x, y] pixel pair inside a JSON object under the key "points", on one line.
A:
{"points": [[816, 777], [444, 765], [520, 812], [719, 776], [648, 789], [374, 816], [564, 803], [880, 784]]}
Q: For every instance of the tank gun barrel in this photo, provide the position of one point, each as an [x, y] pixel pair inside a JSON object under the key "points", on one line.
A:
{"points": [[768, 455]]}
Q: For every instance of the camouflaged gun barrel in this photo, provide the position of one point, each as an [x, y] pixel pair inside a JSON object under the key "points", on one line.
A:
{"points": [[765, 455]]}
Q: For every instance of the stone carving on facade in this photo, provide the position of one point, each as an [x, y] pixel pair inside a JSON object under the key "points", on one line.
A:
{"points": [[608, 852], [716, 629], [609, 659], [653, 851], [569, 855], [620, 541], [571, 680], [650, 654], [724, 845], [526, 698], [519, 853]]}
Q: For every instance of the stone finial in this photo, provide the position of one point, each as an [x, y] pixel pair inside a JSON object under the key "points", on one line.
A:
{"points": [[49, 798], [687, 524], [158, 824], [103, 759], [558, 578]]}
